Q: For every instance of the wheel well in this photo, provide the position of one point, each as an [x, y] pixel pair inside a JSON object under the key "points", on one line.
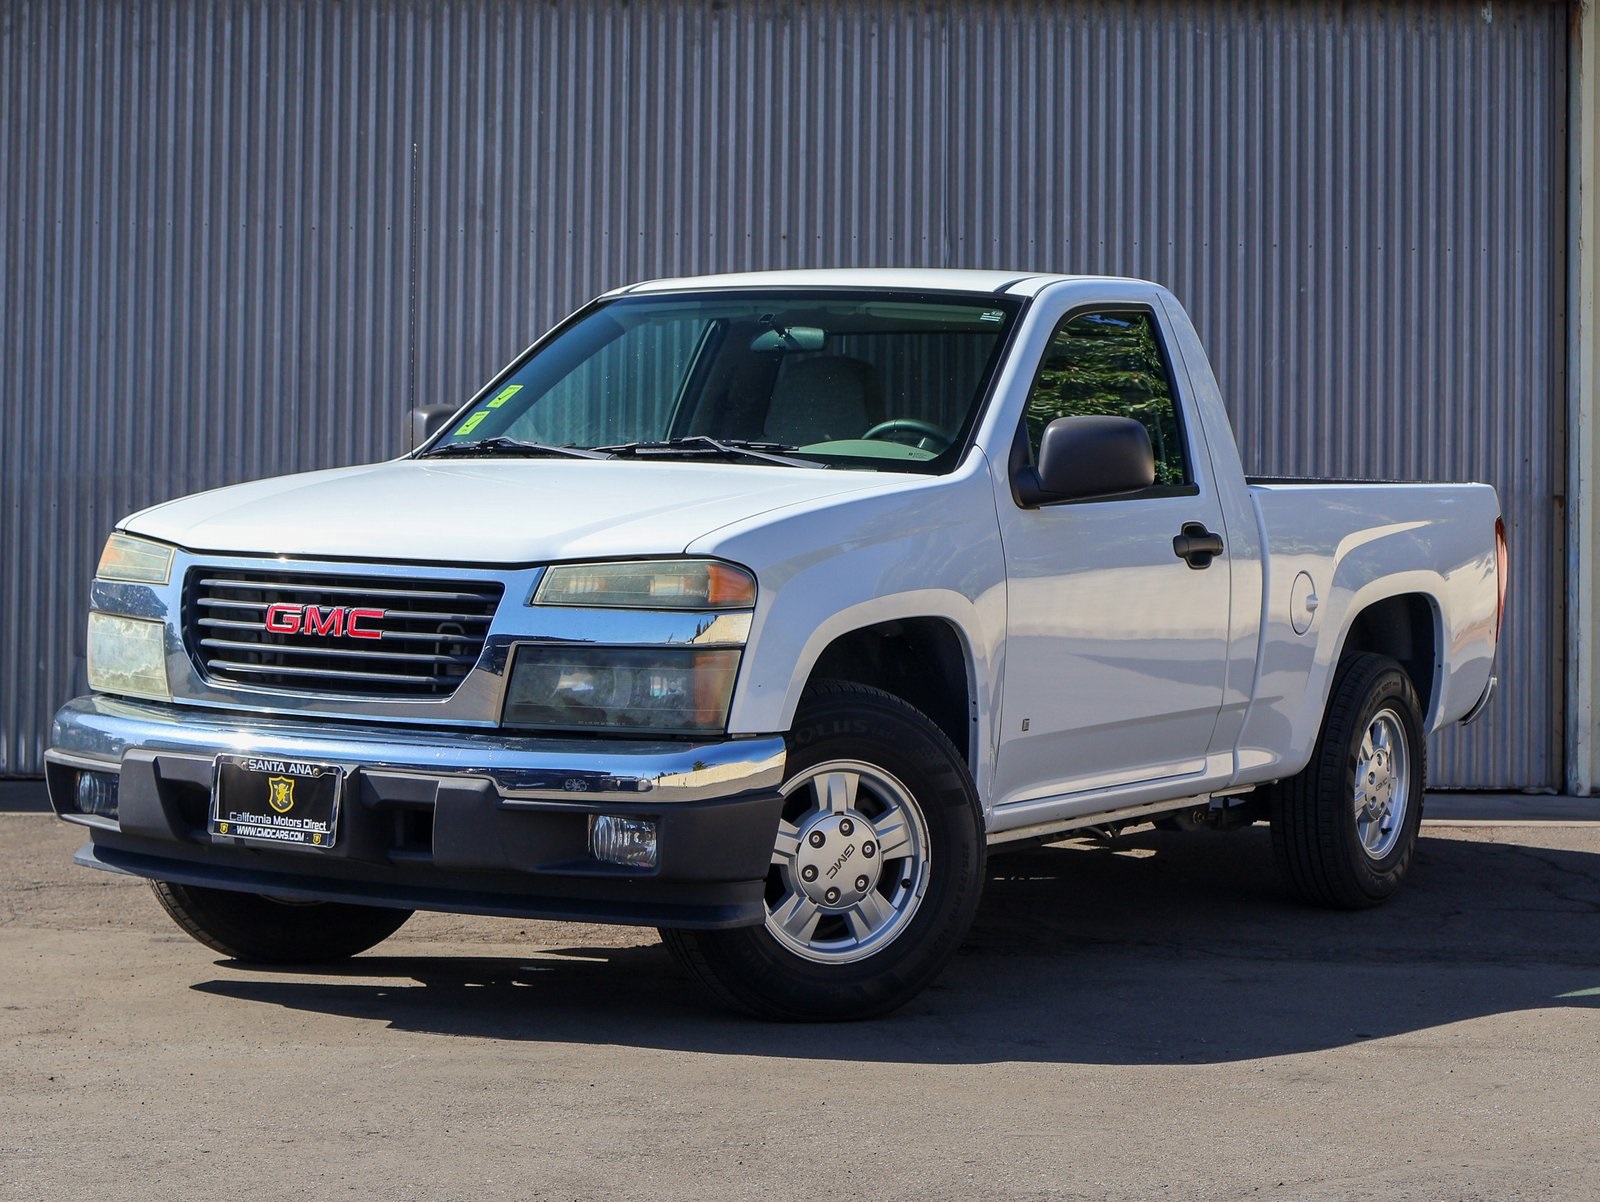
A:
{"points": [[919, 660], [1403, 628]]}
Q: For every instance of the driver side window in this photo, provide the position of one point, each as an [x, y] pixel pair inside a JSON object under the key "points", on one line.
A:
{"points": [[1110, 364]]}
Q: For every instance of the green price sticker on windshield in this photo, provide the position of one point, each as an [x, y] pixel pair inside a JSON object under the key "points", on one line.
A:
{"points": [[471, 424], [504, 395]]}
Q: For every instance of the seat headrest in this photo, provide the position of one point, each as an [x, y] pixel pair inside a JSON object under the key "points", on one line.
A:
{"points": [[822, 398]]}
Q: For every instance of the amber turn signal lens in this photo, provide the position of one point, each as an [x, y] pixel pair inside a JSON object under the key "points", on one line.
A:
{"points": [[648, 584]]}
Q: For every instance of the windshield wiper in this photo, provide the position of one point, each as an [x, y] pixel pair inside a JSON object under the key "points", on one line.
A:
{"points": [[512, 447], [704, 444]]}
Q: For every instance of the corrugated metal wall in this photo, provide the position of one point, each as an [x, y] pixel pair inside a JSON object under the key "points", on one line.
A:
{"points": [[243, 238]]}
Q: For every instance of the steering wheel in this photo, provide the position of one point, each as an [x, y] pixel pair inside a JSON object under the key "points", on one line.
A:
{"points": [[923, 432]]}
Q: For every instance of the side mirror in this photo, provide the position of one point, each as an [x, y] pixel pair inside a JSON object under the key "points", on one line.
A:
{"points": [[423, 422], [1082, 457]]}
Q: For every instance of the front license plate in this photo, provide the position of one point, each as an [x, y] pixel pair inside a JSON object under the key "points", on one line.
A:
{"points": [[289, 803]]}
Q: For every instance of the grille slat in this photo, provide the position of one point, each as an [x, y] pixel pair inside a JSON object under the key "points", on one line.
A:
{"points": [[347, 653], [389, 636], [446, 616], [411, 594], [225, 603], [321, 673], [429, 637]]}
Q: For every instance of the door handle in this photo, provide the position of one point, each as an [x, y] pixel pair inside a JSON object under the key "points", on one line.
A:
{"points": [[1196, 545]]}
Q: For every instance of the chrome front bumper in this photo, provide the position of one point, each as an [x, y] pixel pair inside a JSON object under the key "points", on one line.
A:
{"points": [[467, 821], [96, 732]]}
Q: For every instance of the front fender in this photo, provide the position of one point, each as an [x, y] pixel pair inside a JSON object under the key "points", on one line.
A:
{"points": [[928, 549]]}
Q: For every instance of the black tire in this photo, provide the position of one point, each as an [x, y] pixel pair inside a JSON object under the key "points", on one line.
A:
{"points": [[253, 928], [845, 967], [1334, 848]]}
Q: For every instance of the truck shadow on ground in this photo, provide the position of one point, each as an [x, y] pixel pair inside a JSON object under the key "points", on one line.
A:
{"points": [[1159, 949]]}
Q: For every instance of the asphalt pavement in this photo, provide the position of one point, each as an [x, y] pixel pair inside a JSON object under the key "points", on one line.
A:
{"points": [[1148, 1019]]}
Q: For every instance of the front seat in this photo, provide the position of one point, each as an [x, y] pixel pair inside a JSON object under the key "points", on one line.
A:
{"points": [[823, 398]]}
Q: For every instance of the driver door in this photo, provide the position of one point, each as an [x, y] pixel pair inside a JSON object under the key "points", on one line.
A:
{"points": [[1116, 646]]}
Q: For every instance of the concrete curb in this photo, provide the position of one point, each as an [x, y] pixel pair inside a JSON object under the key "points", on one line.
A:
{"points": [[1508, 808], [23, 797]]}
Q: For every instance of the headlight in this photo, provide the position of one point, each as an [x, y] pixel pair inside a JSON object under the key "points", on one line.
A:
{"points": [[128, 656], [135, 560], [674, 690], [649, 584]]}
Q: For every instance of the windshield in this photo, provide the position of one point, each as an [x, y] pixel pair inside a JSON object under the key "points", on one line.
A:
{"points": [[851, 379]]}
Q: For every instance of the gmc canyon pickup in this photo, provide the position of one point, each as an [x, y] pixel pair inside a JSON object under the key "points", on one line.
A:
{"points": [[760, 608]]}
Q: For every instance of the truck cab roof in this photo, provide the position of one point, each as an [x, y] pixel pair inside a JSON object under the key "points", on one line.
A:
{"points": [[996, 283]]}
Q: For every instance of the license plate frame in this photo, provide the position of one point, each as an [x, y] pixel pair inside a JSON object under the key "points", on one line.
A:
{"points": [[276, 801]]}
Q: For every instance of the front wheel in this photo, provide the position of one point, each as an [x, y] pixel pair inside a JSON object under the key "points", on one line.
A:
{"points": [[265, 930], [1345, 830], [876, 869]]}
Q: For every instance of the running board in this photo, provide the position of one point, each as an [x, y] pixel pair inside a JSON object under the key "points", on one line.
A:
{"points": [[1120, 814]]}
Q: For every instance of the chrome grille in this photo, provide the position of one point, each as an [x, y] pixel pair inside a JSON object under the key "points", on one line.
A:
{"points": [[414, 638]]}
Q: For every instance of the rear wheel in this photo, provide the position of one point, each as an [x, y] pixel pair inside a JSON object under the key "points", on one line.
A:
{"points": [[1345, 830], [266, 930], [876, 869]]}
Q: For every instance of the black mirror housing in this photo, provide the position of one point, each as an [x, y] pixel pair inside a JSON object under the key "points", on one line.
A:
{"points": [[1085, 457], [423, 422]]}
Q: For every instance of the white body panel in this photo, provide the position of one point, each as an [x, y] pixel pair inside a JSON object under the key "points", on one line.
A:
{"points": [[926, 548], [1140, 678], [1116, 667], [1118, 648], [486, 511], [911, 279], [1356, 546]]}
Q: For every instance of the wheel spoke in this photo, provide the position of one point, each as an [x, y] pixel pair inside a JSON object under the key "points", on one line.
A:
{"points": [[845, 817], [788, 843], [1376, 783], [836, 791], [894, 836], [868, 915], [798, 915]]}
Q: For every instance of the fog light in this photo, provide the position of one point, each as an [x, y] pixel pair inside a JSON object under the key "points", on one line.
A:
{"points": [[96, 794], [627, 841]]}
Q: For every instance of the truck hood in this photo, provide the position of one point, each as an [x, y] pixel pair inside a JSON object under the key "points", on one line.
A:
{"points": [[502, 511]]}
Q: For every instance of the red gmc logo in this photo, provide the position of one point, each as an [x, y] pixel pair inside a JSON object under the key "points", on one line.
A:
{"points": [[324, 620]]}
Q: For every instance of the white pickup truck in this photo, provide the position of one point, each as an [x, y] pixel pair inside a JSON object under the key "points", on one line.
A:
{"points": [[760, 608]]}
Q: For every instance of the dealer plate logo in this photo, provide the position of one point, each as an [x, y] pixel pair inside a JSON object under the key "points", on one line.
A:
{"points": [[282, 793]]}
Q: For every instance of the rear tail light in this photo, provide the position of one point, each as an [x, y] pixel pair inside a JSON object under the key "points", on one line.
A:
{"points": [[1501, 569]]}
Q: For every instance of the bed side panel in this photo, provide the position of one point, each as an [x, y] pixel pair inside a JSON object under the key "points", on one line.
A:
{"points": [[1357, 545]]}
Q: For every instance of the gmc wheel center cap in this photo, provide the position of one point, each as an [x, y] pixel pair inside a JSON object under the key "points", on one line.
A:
{"points": [[838, 862]]}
